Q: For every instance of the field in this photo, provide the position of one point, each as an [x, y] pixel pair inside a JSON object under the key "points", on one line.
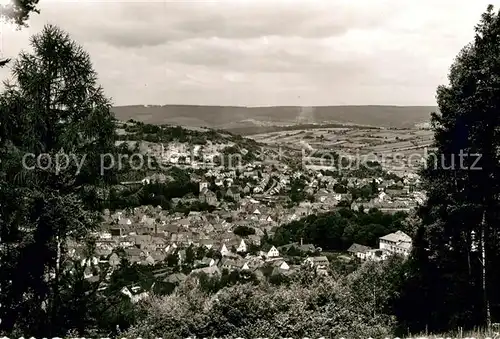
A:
{"points": [[388, 134], [399, 150]]}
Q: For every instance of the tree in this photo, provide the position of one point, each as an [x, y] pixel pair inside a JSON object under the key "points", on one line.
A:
{"points": [[4, 62], [243, 231], [462, 181], [172, 260], [54, 107], [190, 255], [201, 252], [18, 11], [374, 187]]}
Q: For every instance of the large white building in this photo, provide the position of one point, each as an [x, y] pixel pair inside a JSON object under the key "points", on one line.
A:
{"points": [[396, 243]]}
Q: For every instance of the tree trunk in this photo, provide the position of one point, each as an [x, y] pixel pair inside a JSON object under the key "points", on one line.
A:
{"points": [[55, 293], [483, 262]]}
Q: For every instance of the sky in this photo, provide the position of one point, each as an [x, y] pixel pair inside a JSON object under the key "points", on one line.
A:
{"points": [[263, 52]]}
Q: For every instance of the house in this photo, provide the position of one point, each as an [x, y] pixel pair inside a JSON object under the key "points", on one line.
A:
{"points": [[175, 278], [133, 252], [103, 252], [359, 251], [247, 189], [224, 251], [231, 264], [377, 254], [396, 192], [157, 178], [208, 197], [396, 243], [308, 248], [242, 247], [281, 264], [269, 219], [208, 243], [210, 271], [148, 260], [365, 205], [273, 253], [93, 261], [203, 185], [280, 267], [205, 262], [233, 192], [195, 216], [254, 239], [135, 293], [158, 256], [304, 248], [320, 263]]}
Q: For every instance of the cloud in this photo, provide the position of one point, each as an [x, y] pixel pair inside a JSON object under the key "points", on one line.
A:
{"points": [[146, 24], [264, 52]]}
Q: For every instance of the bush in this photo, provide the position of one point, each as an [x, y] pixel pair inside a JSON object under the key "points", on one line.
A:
{"points": [[308, 307], [244, 231]]}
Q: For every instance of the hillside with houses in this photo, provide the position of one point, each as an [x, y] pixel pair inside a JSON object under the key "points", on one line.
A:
{"points": [[200, 216]]}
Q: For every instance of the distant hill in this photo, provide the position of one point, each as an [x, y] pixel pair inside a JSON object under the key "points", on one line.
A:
{"points": [[236, 118]]}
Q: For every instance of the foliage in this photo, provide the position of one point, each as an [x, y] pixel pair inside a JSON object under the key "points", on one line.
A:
{"points": [[18, 11], [165, 134], [52, 107], [306, 307], [213, 284], [244, 231], [157, 194], [462, 207], [366, 192], [297, 194], [338, 230]]}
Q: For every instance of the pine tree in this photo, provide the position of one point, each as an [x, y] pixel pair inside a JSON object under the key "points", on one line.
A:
{"points": [[53, 107]]}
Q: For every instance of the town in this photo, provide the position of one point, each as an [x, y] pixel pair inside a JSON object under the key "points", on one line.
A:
{"points": [[227, 220]]}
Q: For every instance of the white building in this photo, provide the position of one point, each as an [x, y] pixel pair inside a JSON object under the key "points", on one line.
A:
{"points": [[377, 254], [224, 251], [284, 266], [203, 184], [105, 235], [359, 251], [396, 243], [93, 261], [135, 294], [320, 263], [273, 253], [242, 247]]}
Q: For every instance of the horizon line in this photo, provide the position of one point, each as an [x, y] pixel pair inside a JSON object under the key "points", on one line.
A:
{"points": [[271, 106]]}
